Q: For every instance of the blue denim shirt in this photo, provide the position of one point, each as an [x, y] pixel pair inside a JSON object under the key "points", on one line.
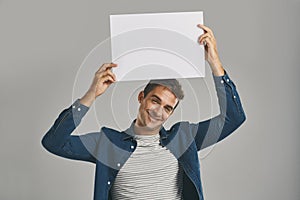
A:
{"points": [[109, 149]]}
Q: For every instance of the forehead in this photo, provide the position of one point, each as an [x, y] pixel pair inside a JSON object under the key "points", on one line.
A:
{"points": [[165, 94]]}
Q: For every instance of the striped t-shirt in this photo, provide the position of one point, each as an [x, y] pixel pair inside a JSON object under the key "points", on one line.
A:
{"points": [[152, 172]]}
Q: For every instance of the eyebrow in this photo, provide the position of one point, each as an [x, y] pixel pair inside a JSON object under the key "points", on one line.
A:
{"points": [[160, 101]]}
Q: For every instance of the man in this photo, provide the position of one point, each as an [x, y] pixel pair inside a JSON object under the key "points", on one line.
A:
{"points": [[146, 161]]}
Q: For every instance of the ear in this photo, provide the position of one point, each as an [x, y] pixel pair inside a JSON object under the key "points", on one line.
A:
{"points": [[141, 96]]}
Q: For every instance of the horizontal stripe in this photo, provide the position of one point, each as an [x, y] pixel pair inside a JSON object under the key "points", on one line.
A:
{"points": [[152, 172]]}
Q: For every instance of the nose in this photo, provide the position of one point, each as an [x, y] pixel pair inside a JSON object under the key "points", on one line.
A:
{"points": [[157, 111]]}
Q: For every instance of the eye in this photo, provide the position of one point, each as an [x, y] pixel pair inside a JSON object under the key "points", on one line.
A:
{"points": [[154, 101], [168, 110]]}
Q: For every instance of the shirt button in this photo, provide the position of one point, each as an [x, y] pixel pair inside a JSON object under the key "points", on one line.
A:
{"points": [[132, 147], [119, 164], [222, 81], [108, 182], [227, 80], [73, 106], [234, 96], [78, 109]]}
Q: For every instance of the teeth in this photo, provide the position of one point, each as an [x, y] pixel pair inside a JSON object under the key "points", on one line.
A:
{"points": [[154, 118]]}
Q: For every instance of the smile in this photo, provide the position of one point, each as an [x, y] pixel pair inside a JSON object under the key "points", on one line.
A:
{"points": [[153, 118]]}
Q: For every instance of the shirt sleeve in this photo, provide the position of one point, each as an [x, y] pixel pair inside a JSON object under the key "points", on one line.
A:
{"points": [[59, 141], [230, 118]]}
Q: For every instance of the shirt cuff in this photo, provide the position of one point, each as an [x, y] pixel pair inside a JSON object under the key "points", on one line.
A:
{"points": [[220, 80], [78, 111]]}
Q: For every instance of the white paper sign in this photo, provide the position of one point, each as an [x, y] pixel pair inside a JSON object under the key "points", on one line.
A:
{"points": [[157, 46]]}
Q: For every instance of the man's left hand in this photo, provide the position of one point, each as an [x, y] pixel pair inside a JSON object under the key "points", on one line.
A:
{"points": [[211, 53]]}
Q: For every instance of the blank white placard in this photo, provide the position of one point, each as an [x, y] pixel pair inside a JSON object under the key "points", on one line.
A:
{"points": [[157, 46]]}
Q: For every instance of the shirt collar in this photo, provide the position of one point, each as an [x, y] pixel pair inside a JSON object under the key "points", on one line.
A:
{"points": [[130, 132]]}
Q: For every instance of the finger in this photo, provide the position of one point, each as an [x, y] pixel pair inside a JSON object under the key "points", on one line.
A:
{"points": [[109, 72], [107, 79], [205, 28], [100, 73], [202, 37], [106, 66], [203, 40], [205, 37], [209, 42]]}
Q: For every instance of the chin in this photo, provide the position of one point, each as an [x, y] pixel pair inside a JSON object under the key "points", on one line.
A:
{"points": [[152, 128], [154, 125]]}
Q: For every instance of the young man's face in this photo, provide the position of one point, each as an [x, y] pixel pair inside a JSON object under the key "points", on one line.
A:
{"points": [[156, 107]]}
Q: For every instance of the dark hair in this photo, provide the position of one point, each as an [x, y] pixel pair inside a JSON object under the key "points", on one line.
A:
{"points": [[172, 84]]}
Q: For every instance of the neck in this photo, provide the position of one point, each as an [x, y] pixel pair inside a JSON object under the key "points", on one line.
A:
{"points": [[143, 130]]}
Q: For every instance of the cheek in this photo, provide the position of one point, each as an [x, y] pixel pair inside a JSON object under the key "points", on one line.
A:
{"points": [[151, 107], [145, 106], [165, 117], [148, 105]]}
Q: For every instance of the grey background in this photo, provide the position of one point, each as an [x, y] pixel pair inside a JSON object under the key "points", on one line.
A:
{"points": [[43, 43]]}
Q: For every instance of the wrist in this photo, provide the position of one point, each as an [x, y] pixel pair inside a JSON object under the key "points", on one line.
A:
{"points": [[217, 68], [88, 99]]}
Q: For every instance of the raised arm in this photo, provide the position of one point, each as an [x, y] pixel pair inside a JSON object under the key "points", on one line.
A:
{"points": [[59, 141], [104, 77], [231, 111], [211, 53]]}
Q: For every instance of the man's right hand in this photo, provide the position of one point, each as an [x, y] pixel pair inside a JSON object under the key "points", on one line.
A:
{"points": [[104, 77]]}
